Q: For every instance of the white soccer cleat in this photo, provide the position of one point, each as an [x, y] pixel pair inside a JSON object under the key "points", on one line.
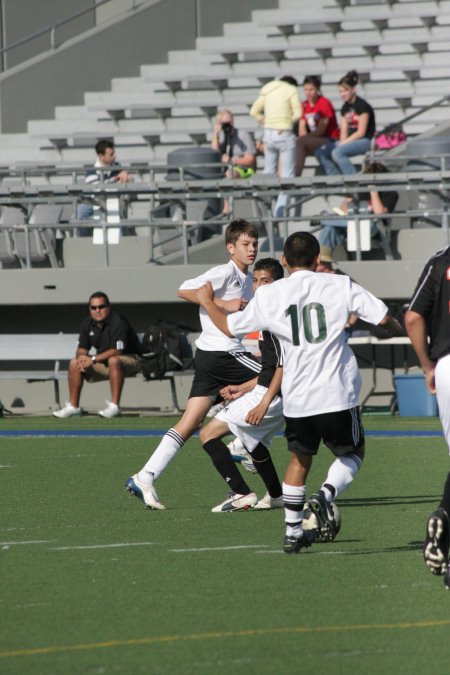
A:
{"points": [[268, 502], [69, 410], [111, 410], [145, 492], [236, 502], [241, 455]]}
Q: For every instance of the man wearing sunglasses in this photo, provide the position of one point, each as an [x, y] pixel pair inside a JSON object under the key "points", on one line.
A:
{"points": [[108, 349]]}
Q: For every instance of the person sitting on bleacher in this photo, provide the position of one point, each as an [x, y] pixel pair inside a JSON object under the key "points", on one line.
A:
{"points": [[117, 356], [357, 129], [106, 168], [334, 231], [236, 146], [317, 124]]}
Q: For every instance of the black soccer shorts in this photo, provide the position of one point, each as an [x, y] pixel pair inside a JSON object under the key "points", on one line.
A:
{"points": [[214, 370], [342, 432]]}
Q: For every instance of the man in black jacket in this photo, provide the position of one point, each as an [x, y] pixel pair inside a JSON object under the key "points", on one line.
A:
{"points": [[116, 355]]}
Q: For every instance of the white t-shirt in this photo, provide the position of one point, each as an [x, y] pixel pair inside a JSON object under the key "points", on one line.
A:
{"points": [[307, 311], [228, 283]]}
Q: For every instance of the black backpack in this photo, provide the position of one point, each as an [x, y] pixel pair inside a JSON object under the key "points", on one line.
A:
{"points": [[161, 349]]}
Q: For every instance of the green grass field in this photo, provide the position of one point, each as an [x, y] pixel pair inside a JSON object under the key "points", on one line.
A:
{"points": [[94, 583]]}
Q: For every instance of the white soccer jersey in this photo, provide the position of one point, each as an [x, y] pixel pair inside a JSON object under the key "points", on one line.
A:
{"points": [[228, 283], [307, 312]]}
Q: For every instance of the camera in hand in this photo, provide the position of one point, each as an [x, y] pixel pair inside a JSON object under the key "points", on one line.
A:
{"points": [[226, 128]]}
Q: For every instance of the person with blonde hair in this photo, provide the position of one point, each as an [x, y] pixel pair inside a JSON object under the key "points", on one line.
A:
{"points": [[278, 108]]}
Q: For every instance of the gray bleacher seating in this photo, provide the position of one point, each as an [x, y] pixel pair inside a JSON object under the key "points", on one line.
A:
{"points": [[36, 245], [11, 216]]}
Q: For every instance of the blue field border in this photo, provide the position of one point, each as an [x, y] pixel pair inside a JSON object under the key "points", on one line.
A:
{"points": [[137, 433]]}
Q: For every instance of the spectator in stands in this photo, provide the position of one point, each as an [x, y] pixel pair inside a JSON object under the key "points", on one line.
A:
{"points": [[107, 169], [236, 147], [334, 231], [356, 130], [117, 355], [317, 124], [278, 108]]}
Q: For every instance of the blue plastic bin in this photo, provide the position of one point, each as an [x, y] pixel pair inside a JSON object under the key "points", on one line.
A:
{"points": [[413, 397]]}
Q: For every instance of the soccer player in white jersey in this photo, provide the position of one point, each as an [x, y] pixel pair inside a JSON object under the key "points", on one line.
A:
{"points": [[429, 315], [254, 414], [219, 359], [307, 311]]}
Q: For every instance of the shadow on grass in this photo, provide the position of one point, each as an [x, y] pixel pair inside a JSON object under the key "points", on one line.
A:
{"points": [[406, 548], [390, 501]]}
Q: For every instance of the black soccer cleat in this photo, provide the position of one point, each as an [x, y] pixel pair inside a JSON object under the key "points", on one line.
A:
{"points": [[326, 523], [435, 547], [295, 544]]}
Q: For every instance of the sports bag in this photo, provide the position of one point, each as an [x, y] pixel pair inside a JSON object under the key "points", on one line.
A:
{"points": [[390, 139], [161, 349]]}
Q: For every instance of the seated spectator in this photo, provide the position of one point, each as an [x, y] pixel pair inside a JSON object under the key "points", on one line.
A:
{"points": [[236, 147], [334, 232], [107, 169], [356, 130], [317, 124], [117, 355]]}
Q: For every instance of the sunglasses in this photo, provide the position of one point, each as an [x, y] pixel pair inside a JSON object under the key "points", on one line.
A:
{"points": [[94, 307]]}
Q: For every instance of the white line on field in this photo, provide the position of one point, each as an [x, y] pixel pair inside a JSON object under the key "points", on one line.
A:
{"points": [[216, 548], [82, 548], [18, 543]]}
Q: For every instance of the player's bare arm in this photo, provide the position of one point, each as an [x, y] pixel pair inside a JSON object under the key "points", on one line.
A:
{"points": [[233, 391], [205, 297], [228, 306], [392, 326], [417, 332], [257, 413]]}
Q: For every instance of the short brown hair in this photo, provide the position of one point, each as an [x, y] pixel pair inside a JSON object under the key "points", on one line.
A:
{"points": [[238, 227]]}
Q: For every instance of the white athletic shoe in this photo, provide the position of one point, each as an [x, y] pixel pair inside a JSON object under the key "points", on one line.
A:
{"points": [[235, 502], [241, 455], [268, 502], [69, 410], [145, 492], [111, 410]]}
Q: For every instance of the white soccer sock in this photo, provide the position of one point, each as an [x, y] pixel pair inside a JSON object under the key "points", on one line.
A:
{"points": [[161, 458], [340, 474], [294, 501]]}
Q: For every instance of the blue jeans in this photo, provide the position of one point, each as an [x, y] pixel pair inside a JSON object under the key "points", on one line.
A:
{"points": [[334, 232], [279, 145], [334, 158]]}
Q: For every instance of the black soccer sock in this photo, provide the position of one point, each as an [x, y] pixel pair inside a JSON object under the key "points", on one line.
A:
{"points": [[266, 469], [445, 503], [225, 465]]}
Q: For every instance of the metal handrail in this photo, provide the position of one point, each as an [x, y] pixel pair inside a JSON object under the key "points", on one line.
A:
{"points": [[395, 126], [57, 24], [398, 125]]}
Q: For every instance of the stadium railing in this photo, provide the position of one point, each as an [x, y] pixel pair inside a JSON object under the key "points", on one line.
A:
{"points": [[157, 195]]}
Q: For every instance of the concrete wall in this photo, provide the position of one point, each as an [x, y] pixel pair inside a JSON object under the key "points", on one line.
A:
{"points": [[89, 62]]}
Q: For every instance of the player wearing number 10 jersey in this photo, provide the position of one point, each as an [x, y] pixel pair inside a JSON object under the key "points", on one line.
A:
{"points": [[307, 311]]}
